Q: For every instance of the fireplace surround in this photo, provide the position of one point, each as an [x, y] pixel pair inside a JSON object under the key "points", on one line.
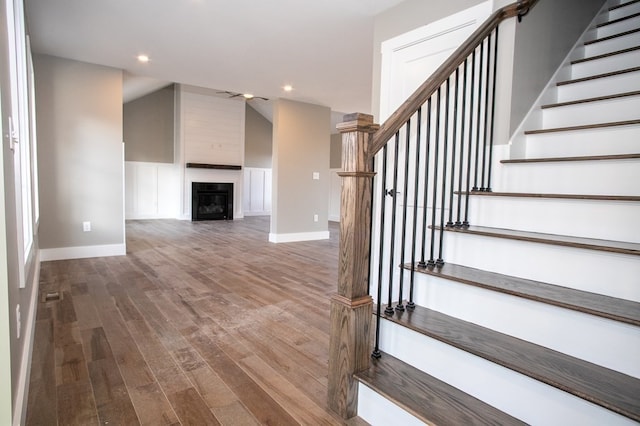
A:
{"points": [[211, 201]]}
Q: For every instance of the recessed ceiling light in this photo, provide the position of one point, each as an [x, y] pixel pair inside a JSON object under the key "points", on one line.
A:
{"points": [[248, 96], [288, 88], [143, 58]]}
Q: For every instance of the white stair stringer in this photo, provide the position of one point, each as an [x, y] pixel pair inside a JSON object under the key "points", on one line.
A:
{"points": [[610, 274], [592, 141], [588, 337], [599, 219], [520, 396]]}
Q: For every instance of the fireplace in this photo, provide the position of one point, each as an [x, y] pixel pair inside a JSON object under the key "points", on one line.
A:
{"points": [[211, 201]]}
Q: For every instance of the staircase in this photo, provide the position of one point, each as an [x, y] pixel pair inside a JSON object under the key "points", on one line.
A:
{"points": [[535, 316]]}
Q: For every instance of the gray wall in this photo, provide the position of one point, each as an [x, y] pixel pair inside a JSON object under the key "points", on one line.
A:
{"points": [[542, 40], [407, 16], [335, 160], [258, 140], [148, 127], [79, 109], [301, 142]]}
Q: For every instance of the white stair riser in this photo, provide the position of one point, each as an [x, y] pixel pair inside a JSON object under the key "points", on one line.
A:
{"points": [[375, 409], [605, 65], [603, 141], [611, 45], [621, 12], [618, 27], [606, 220], [580, 335], [610, 274], [604, 111], [511, 392], [627, 82], [579, 177]]}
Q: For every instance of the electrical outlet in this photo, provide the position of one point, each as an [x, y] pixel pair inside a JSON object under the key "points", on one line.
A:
{"points": [[18, 321], [315, 217], [86, 226]]}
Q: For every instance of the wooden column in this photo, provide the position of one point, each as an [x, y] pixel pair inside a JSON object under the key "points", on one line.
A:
{"points": [[351, 307]]}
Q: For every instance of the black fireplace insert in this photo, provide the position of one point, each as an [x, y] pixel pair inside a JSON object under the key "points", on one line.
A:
{"points": [[211, 201]]}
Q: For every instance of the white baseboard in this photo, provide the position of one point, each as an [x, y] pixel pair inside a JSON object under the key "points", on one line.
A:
{"points": [[82, 252], [22, 390], [298, 236], [138, 216], [246, 213], [334, 218]]}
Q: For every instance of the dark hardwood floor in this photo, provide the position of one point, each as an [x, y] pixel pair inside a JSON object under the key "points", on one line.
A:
{"points": [[202, 323]]}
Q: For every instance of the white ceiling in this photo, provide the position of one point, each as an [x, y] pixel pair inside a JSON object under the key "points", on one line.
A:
{"points": [[323, 48]]}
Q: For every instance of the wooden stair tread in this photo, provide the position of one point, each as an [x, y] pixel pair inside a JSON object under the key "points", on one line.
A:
{"points": [[559, 240], [596, 99], [579, 158], [431, 400], [605, 55], [611, 37], [583, 127], [615, 21], [591, 303], [597, 76], [623, 4], [558, 196], [602, 386]]}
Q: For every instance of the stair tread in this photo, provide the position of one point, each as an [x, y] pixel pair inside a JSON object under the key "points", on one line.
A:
{"points": [[595, 304], [597, 76], [561, 196], [605, 55], [602, 386], [615, 21], [622, 34], [431, 400], [623, 5], [583, 127], [578, 158], [553, 239], [588, 100]]}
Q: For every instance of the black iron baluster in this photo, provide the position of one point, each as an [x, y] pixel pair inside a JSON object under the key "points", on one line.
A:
{"points": [[465, 223], [376, 350], [462, 128], [400, 305], [479, 116], [410, 304], [423, 263], [483, 188], [493, 107], [443, 195], [432, 262], [453, 147], [393, 193]]}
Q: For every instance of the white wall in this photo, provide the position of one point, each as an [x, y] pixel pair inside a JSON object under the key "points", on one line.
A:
{"points": [[152, 190], [257, 191]]}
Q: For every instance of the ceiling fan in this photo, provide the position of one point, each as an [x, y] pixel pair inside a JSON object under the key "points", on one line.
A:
{"points": [[246, 96]]}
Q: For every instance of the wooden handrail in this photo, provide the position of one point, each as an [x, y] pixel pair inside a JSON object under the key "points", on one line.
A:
{"points": [[428, 88]]}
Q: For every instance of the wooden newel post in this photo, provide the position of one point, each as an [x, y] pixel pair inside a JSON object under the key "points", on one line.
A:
{"points": [[351, 307]]}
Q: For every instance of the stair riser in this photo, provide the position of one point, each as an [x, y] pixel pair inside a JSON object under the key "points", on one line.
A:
{"points": [[608, 46], [610, 110], [513, 393], [618, 27], [616, 140], [610, 274], [577, 334], [606, 220], [580, 177], [606, 65], [627, 82], [621, 12], [377, 410]]}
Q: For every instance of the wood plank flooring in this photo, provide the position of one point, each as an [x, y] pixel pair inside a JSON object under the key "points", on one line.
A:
{"points": [[201, 323]]}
